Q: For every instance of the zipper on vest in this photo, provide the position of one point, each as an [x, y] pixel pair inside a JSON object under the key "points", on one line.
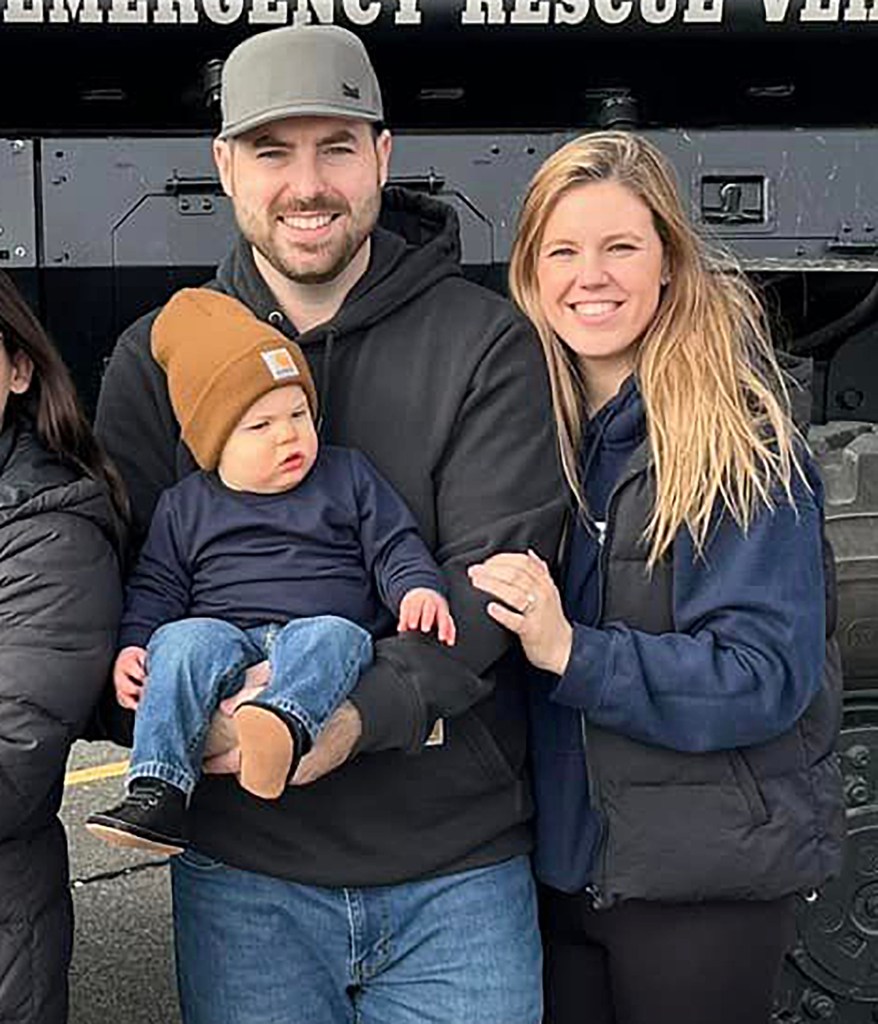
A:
{"points": [[604, 541], [594, 889]]}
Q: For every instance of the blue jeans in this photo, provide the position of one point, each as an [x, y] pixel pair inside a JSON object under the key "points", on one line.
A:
{"points": [[193, 664], [252, 949]]}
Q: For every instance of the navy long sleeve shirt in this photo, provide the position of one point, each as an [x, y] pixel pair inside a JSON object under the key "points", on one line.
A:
{"points": [[341, 543], [742, 665]]}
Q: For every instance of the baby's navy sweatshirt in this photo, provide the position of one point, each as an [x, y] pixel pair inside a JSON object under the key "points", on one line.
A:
{"points": [[340, 543]]}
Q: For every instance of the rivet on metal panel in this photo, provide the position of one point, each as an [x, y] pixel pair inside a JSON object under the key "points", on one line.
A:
{"points": [[818, 1005], [856, 790], [18, 146], [19, 252], [207, 204], [858, 755], [850, 399]]}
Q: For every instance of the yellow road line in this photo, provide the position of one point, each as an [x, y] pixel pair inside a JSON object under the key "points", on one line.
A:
{"points": [[95, 774]]}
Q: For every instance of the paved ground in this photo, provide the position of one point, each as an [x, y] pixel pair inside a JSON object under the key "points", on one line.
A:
{"points": [[122, 963]]}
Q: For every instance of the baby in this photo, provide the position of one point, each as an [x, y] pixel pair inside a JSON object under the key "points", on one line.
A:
{"points": [[278, 548]]}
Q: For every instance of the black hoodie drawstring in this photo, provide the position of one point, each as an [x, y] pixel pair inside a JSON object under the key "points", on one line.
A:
{"points": [[325, 384]]}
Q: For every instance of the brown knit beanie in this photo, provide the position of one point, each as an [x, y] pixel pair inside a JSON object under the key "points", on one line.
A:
{"points": [[219, 358]]}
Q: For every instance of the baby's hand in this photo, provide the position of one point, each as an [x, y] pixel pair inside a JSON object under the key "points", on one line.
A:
{"points": [[129, 675], [422, 609]]}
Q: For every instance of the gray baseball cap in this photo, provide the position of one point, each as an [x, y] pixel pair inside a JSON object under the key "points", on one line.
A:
{"points": [[320, 70]]}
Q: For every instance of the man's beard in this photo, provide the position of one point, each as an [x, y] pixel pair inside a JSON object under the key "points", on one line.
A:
{"points": [[300, 268]]}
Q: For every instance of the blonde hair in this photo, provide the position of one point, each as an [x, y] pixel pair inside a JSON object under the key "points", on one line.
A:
{"points": [[717, 405]]}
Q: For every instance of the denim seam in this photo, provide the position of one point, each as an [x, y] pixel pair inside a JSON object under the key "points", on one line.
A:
{"points": [[179, 777], [351, 668], [198, 738]]}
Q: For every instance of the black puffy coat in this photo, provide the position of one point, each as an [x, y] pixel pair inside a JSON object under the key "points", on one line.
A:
{"points": [[60, 600]]}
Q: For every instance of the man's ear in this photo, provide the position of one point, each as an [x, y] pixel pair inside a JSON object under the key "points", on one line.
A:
{"points": [[222, 157], [383, 147], [22, 372]]}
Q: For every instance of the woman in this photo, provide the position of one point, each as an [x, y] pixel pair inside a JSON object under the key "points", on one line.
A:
{"points": [[683, 727], [60, 599]]}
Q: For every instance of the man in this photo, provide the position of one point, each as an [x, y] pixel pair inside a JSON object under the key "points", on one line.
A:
{"points": [[397, 887]]}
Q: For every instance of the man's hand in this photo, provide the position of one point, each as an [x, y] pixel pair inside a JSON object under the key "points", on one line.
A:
{"points": [[129, 676], [332, 747], [221, 752], [422, 608]]}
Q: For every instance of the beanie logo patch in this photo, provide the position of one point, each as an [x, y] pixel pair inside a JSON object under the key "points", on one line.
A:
{"points": [[280, 364]]}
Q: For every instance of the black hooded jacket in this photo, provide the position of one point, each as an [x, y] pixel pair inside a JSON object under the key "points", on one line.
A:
{"points": [[60, 603], [444, 387]]}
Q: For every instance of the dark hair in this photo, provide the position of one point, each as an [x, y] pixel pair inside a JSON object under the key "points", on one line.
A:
{"points": [[50, 402]]}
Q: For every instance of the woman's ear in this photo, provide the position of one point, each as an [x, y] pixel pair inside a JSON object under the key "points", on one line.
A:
{"points": [[22, 372], [666, 268]]}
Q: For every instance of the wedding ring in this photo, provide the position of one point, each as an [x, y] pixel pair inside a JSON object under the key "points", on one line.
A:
{"points": [[529, 602]]}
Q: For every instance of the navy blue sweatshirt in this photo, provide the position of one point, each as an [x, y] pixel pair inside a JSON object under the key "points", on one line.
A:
{"points": [[744, 664], [341, 543]]}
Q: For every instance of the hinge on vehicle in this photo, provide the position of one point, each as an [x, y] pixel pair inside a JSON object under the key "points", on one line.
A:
{"points": [[196, 196]]}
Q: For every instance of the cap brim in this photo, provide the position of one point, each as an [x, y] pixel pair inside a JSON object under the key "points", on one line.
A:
{"points": [[246, 124]]}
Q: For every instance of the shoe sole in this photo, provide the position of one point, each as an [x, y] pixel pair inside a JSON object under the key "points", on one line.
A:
{"points": [[119, 837], [267, 751]]}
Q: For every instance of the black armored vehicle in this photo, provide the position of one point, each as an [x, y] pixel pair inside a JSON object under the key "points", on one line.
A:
{"points": [[768, 109]]}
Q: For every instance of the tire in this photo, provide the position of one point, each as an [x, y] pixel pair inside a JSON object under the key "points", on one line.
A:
{"points": [[831, 973]]}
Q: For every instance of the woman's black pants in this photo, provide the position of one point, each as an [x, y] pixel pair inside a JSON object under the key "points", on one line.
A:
{"points": [[662, 963]]}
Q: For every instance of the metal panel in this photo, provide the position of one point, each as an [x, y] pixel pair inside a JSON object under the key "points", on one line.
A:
{"points": [[132, 202], [482, 176], [821, 195], [18, 235], [778, 199]]}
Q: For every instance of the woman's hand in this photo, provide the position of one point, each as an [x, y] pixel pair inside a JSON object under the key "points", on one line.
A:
{"points": [[523, 582], [129, 675]]}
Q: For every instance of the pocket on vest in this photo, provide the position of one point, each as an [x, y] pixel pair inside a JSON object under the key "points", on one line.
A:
{"points": [[682, 842]]}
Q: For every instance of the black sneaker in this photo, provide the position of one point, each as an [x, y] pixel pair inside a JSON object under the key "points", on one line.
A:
{"points": [[151, 818]]}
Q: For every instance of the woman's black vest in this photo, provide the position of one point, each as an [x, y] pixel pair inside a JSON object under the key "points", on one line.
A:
{"points": [[752, 823]]}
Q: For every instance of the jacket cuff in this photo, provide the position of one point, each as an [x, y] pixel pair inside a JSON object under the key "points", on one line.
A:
{"points": [[427, 581], [131, 636], [588, 671], [389, 711]]}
